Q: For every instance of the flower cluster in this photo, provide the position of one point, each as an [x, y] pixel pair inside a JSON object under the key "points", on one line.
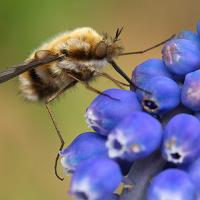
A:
{"points": [[161, 115]]}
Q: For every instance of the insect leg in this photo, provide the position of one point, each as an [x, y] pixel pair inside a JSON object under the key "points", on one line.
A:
{"points": [[53, 97], [147, 49], [61, 141], [89, 87], [54, 123], [116, 82]]}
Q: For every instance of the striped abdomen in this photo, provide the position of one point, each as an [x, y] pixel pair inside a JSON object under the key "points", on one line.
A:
{"points": [[42, 83]]}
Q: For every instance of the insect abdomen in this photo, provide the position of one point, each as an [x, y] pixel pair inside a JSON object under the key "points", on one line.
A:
{"points": [[42, 83]]}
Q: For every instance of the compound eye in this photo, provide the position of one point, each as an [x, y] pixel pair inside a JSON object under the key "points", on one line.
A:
{"points": [[101, 50]]}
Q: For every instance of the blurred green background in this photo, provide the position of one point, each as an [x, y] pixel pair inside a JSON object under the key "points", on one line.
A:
{"points": [[28, 143]]}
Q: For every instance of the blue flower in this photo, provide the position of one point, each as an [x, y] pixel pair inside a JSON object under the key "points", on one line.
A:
{"points": [[181, 143], [172, 184], [148, 69], [95, 179], [105, 113], [190, 95], [163, 95], [86, 146], [137, 136], [189, 35], [129, 132], [194, 171], [181, 56]]}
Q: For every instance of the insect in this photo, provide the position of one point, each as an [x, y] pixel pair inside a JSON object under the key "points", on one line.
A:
{"points": [[70, 58]]}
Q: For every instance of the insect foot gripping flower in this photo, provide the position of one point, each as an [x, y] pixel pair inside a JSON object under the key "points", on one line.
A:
{"points": [[163, 96], [194, 171], [190, 94], [137, 136], [172, 184], [181, 56], [95, 179], [181, 143], [148, 69], [189, 35], [105, 113], [86, 146]]}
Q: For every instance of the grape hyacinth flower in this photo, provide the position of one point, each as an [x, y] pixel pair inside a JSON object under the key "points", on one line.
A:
{"points": [[86, 146], [137, 136], [163, 95], [148, 69], [105, 113], [95, 179], [189, 35], [172, 184], [190, 95], [181, 143], [130, 144], [194, 171], [181, 56]]}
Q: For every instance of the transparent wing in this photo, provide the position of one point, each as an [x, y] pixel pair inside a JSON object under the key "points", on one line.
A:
{"points": [[19, 69]]}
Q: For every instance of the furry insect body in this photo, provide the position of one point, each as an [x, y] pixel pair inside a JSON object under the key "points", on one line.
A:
{"points": [[85, 53]]}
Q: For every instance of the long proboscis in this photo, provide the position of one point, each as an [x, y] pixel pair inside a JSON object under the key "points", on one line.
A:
{"points": [[19, 69], [125, 76], [120, 71]]}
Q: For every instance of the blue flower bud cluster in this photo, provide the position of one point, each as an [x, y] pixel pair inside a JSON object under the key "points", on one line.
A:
{"points": [[161, 115]]}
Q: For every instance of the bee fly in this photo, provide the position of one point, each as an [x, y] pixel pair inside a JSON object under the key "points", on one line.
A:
{"points": [[70, 58]]}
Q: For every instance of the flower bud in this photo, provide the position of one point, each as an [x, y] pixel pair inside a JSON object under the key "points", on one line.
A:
{"points": [[148, 69], [172, 184], [95, 179], [181, 142], [84, 147], [189, 35], [161, 95], [181, 56], [190, 95], [104, 113], [137, 136], [194, 171]]}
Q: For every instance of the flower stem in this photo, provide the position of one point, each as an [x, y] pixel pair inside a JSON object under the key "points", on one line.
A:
{"points": [[140, 175]]}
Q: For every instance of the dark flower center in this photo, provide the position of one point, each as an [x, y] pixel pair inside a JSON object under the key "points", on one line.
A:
{"points": [[175, 156], [82, 196], [117, 145], [150, 104]]}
